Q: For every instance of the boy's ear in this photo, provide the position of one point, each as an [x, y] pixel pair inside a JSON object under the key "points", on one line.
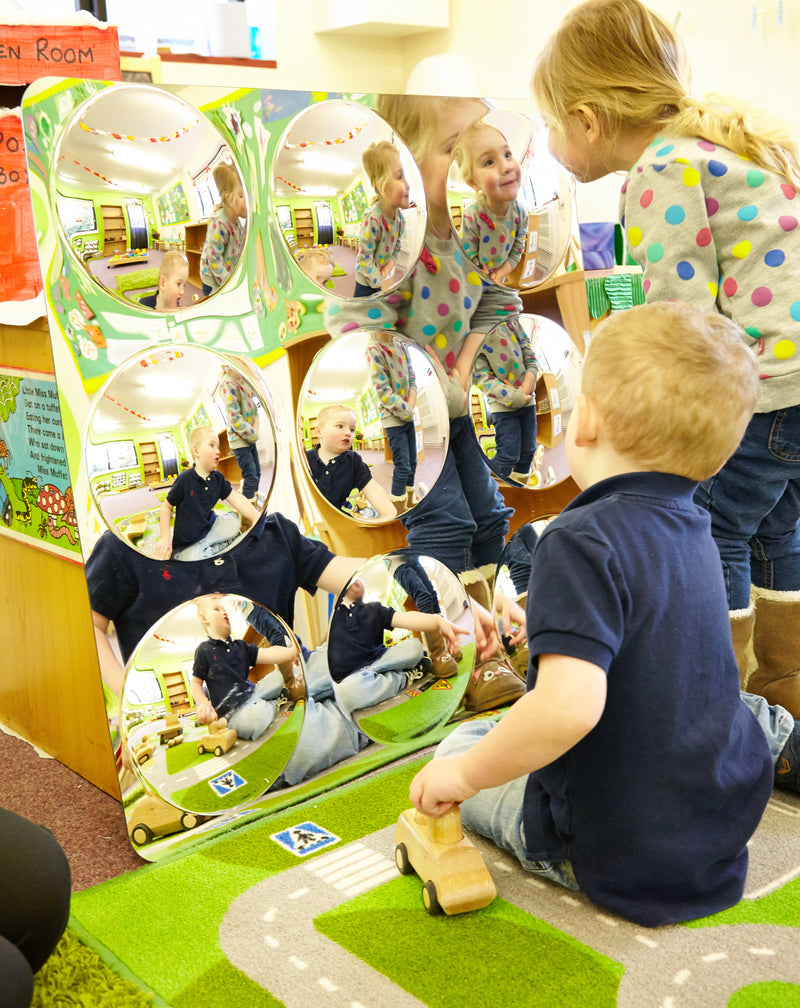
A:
{"points": [[586, 421]]}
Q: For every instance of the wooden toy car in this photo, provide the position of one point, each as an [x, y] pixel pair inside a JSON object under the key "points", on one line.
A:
{"points": [[144, 750], [152, 817], [219, 740], [454, 876], [172, 733]]}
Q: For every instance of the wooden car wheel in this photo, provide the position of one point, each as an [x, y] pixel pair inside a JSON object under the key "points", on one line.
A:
{"points": [[141, 834], [401, 859], [430, 898]]}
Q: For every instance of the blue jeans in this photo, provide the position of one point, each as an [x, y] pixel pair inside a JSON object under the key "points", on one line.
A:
{"points": [[403, 442], [255, 715], [515, 440], [379, 681], [462, 521], [496, 813], [754, 501], [248, 461], [226, 528], [411, 575], [517, 556]]}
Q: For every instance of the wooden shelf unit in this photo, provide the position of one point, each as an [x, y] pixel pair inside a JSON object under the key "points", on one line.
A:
{"points": [[115, 232], [151, 467], [176, 690], [195, 238], [228, 465], [303, 218]]}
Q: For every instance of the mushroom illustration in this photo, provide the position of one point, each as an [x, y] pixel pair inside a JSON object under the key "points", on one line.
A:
{"points": [[60, 511]]}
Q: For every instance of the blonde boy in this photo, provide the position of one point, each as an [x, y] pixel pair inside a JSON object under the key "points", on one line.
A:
{"points": [[173, 272], [199, 532], [316, 263], [633, 768]]}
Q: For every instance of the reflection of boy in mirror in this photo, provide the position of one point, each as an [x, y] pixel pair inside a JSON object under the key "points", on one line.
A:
{"points": [[383, 225], [225, 231], [618, 771], [366, 671], [317, 264], [337, 469], [173, 272], [242, 422], [222, 665], [395, 386], [505, 370], [493, 228], [199, 531]]}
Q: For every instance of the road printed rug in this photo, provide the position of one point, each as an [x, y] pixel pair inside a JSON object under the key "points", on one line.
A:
{"points": [[306, 907]]}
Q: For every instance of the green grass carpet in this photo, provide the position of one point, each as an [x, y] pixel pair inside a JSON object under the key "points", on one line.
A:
{"points": [[138, 278]]}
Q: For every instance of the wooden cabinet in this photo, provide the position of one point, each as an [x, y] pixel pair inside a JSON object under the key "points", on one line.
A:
{"points": [[150, 466], [177, 694], [303, 226], [228, 465], [115, 233], [195, 238]]}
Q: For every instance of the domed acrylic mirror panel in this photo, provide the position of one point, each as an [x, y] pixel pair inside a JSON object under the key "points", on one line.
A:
{"points": [[372, 422], [505, 432], [134, 180], [510, 201], [205, 769], [139, 443], [348, 199], [387, 681]]}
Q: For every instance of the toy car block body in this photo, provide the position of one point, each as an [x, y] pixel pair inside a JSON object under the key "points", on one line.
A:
{"points": [[219, 740], [171, 733], [455, 878], [152, 817], [144, 750]]}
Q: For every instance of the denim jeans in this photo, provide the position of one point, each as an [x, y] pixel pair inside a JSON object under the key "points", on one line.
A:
{"points": [[515, 440], [380, 680], [227, 527], [255, 715], [403, 442], [411, 576], [754, 501], [462, 521], [248, 461]]}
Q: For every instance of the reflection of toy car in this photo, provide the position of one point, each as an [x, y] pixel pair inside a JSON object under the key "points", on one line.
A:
{"points": [[219, 740], [454, 877], [172, 733], [152, 817], [144, 750]]}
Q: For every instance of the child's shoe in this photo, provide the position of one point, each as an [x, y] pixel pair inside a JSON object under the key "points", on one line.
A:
{"points": [[492, 684], [419, 671], [787, 768], [443, 663]]}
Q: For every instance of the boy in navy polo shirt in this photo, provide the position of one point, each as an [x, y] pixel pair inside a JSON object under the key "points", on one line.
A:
{"points": [[363, 669], [223, 663], [199, 532], [633, 768], [337, 469]]}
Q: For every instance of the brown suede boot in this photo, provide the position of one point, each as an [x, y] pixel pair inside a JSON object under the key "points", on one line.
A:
{"points": [[776, 643], [492, 684], [742, 621], [399, 502], [444, 664], [293, 680], [409, 498]]}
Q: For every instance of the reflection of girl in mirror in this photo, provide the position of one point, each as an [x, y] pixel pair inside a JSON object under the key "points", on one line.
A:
{"points": [[337, 469], [493, 228], [505, 371], [241, 419], [225, 231], [443, 306], [199, 530], [382, 226], [221, 666], [395, 386]]}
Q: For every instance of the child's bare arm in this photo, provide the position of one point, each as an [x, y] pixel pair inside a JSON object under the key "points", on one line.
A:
{"points": [[529, 382], [466, 355], [379, 499], [429, 622], [241, 504], [276, 654], [565, 705], [499, 274], [204, 708], [163, 549]]}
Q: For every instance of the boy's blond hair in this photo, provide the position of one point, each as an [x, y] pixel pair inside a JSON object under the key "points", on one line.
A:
{"points": [[675, 386], [378, 162], [464, 151], [171, 262], [203, 604], [625, 63], [415, 118], [305, 257], [196, 435], [327, 412], [226, 179]]}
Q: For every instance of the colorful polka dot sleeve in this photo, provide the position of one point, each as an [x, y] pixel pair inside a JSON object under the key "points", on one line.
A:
{"points": [[501, 365], [221, 250], [710, 228], [437, 305], [393, 380], [379, 242], [241, 413], [491, 240]]}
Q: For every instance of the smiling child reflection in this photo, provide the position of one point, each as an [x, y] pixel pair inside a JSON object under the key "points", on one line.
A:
{"points": [[444, 306], [382, 227], [493, 228]]}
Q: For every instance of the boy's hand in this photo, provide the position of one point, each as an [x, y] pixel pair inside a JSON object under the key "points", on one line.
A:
{"points": [[438, 786], [163, 550], [486, 638], [450, 632], [205, 712]]}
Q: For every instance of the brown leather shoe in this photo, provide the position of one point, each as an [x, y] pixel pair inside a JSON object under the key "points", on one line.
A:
{"points": [[492, 684]]}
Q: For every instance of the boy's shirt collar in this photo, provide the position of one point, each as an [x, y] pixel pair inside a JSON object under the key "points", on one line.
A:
{"points": [[644, 483]]}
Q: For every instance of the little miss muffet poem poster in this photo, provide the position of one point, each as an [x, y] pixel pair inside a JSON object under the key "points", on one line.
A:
{"points": [[36, 501]]}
